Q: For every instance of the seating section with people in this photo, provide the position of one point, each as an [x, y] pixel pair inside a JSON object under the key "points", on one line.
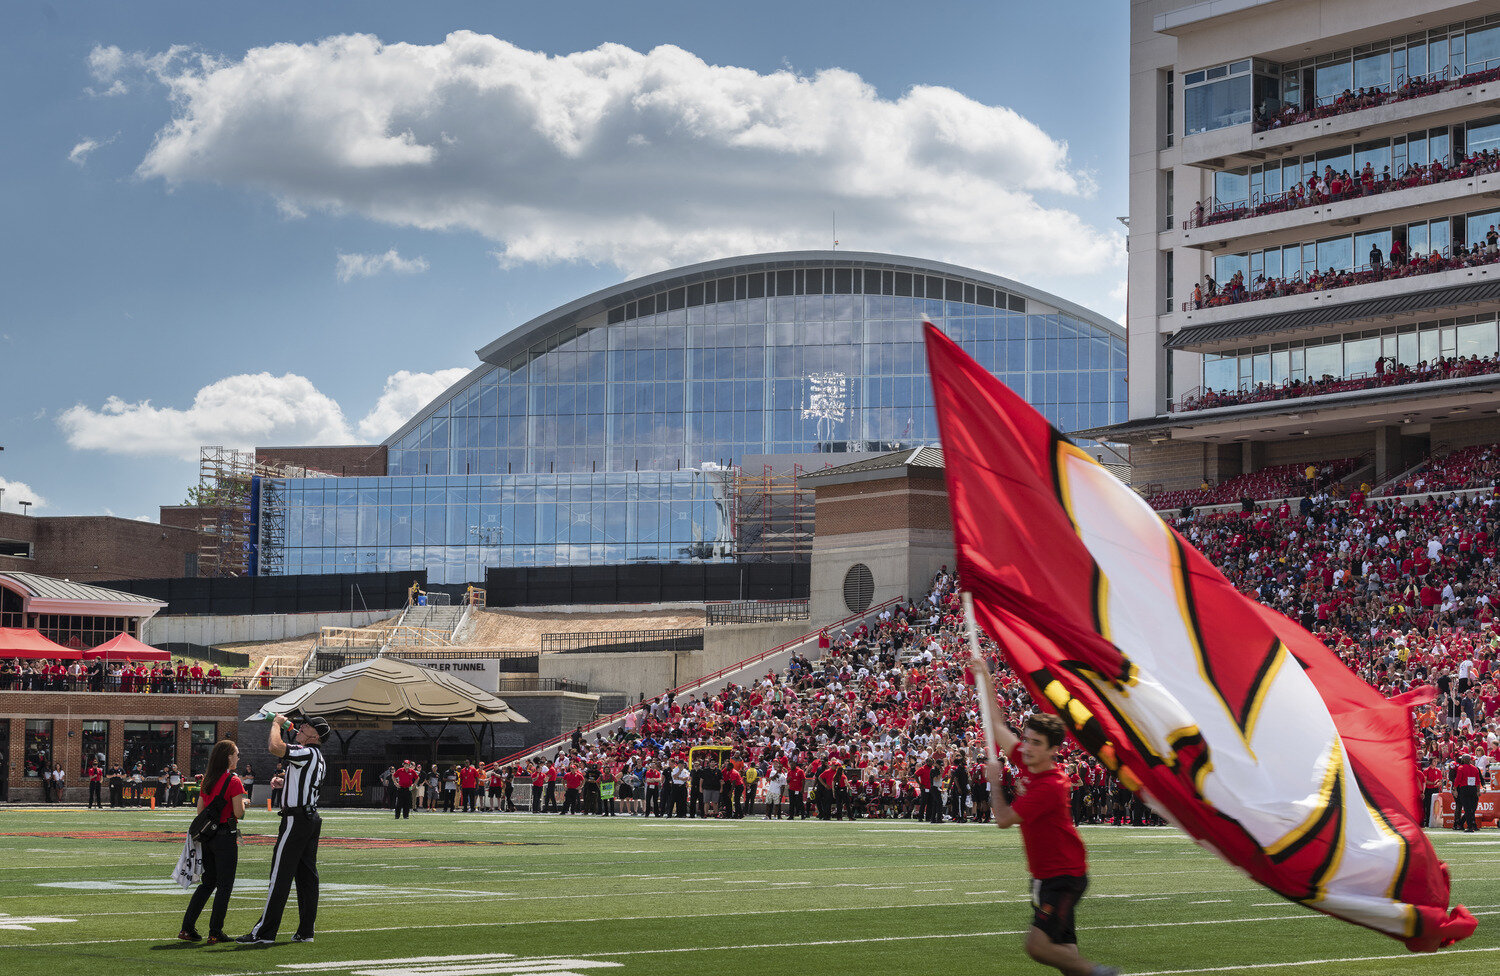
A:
{"points": [[1213, 294], [1371, 96], [1333, 187], [1387, 373], [1475, 466], [1277, 481]]}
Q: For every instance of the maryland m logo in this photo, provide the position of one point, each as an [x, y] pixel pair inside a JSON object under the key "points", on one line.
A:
{"points": [[351, 782]]}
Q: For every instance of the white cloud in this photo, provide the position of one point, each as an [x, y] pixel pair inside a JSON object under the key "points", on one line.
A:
{"points": [[79, 154], [238, 411], [106, 64], [245, 411], [405, 393], [12, 493], [640, 161], [353, 266]]}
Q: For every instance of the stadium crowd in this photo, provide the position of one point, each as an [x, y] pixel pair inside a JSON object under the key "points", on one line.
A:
{"points": [[1356, 99], [1334, 186], [1405, 593], [1381, 267], [1387, 373], [886, 725], [57, 675]]}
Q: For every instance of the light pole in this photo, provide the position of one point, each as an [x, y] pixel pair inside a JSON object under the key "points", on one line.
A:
{"points": [[24, 507]]}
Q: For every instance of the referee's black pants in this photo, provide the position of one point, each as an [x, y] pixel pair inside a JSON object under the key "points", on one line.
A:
{"points": [[294, 859], [403, 802]]}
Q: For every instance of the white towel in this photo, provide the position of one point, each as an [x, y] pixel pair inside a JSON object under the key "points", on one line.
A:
{"points": [[190, 865]]}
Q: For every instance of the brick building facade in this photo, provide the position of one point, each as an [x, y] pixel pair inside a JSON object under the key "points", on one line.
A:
{"points": [[883, 530], [346, 461], [97, 547], [52, 725]]}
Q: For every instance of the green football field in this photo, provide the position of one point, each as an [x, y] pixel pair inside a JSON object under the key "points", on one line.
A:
{"points": [[477, 894]]}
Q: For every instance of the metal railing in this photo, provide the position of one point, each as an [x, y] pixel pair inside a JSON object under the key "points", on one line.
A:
{"points": [[381, 636], [1300, 284], [1288, 201], [1447, 368], [116, 684], [1404, 88], [690, 686], [511, 682], [615, 641], [755, 611]]}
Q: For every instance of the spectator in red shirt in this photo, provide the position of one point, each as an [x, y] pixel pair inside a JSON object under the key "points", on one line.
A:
{"points": [[572, 785], [468, 781], [405, 778], [1466, 782], [1054, 851]]}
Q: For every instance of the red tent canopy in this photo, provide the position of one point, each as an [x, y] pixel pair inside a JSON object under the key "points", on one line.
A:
{"points": [[126, 648], [16, 642]]}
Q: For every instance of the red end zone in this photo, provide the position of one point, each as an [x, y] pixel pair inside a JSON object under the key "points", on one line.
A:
{"points": [[176, 837]]}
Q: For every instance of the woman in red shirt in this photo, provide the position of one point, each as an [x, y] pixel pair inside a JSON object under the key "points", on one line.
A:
{"points": [[221, 854]]}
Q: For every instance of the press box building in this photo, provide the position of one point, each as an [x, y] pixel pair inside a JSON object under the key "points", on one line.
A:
{"points": [[1234, 106]]}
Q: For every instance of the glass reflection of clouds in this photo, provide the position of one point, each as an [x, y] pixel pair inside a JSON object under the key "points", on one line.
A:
{"points": [[590, 434]]}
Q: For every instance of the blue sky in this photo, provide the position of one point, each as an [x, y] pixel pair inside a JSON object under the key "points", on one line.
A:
{"points": [[244, 224]]}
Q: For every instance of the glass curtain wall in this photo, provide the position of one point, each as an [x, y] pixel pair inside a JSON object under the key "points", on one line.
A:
{"points": [[1352, 355], [809, 362], [605, 443], [456, 526]]}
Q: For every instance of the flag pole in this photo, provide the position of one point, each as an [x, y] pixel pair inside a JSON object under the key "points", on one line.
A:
{"points": [[984, 689]]}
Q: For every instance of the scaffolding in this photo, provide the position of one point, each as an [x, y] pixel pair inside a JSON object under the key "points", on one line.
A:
{"points": [[773, 516], [226, 479]]}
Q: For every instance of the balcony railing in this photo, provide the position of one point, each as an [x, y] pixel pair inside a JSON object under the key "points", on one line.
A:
{"points": [[1317, 281], [1365, 185], [1403, 89], [755, 611], [1452, 367], [115, 683]]}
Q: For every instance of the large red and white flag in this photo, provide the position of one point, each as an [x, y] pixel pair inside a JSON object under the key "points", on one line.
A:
{"points": [[1230, 720]]}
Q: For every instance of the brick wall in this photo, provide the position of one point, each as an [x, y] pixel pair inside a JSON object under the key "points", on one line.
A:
{"points": [[916, 502], [181, 516], [346, 461], [69, 710], [1296, 450], [1173, 466], [96, 547], [1466, 433]]}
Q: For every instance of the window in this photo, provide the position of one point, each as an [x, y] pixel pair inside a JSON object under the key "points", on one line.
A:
{"points": [[1170, 111], [151, 745], [1168, 196], [1219, 100], [38, 745], [205, 736], [1167, 283], [95, 746]]}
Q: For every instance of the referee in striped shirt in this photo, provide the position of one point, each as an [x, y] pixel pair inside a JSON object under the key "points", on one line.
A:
{"points": [[296, 854]]}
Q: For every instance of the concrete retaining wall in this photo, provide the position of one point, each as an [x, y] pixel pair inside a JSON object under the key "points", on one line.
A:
{"points": [[251, 627], [645, 674]]}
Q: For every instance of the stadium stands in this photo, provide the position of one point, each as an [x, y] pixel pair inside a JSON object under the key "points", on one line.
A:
{"points": [[1450, 367], [1467, 467], [1402, 592], [1277, 481]]}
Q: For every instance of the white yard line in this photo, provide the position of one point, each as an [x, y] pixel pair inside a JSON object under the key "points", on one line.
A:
{"points": [[1408, 956]]}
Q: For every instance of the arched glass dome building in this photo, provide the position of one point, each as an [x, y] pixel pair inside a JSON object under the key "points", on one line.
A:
{"points": [[601, 432]]}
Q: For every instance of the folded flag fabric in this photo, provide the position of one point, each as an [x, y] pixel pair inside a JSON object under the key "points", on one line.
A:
{"points": [[189, 865], [1230, 720]]}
